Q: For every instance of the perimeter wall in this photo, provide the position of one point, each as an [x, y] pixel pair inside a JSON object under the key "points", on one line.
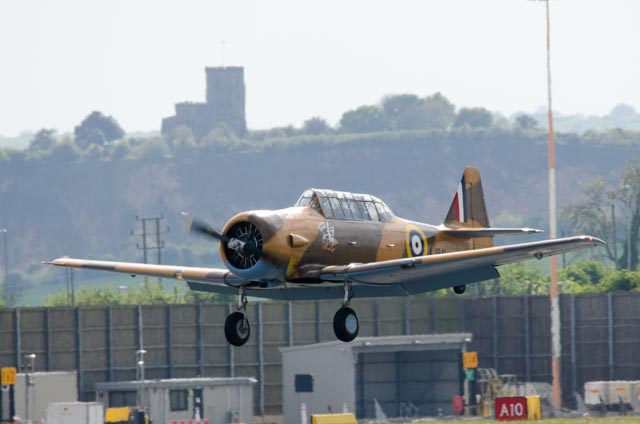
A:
{"points": [[600, 337]]}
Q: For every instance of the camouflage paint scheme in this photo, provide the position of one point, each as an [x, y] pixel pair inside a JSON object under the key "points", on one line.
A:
{"points": [[304, 254]]}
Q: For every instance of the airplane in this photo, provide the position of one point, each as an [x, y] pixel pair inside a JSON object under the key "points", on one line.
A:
{"points": [[339, 245]]}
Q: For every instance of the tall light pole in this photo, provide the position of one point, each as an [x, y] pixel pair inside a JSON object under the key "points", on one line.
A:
{"points": [[556, 349], [3, 231]]}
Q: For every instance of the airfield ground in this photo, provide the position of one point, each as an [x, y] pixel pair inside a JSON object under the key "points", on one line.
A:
{"points": [[630, 419]]}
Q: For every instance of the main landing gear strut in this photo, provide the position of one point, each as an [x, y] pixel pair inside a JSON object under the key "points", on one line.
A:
{"points": [[345, 321], [236, 326]]}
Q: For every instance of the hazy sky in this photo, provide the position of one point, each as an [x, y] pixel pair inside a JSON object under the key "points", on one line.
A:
{"points": [[134, 59]]}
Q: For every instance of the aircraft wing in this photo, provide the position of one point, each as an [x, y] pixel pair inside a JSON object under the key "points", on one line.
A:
{"points": [[376, 279], [214, 276], [433, 272]]}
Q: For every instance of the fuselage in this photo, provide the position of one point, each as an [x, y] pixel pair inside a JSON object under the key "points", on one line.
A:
{"points": [[290, 244]]}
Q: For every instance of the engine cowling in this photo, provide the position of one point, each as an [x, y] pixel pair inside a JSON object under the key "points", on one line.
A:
{"points": [[244, 251]]}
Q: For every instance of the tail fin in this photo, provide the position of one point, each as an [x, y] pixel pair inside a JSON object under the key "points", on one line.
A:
{"points": [[467, 209]]}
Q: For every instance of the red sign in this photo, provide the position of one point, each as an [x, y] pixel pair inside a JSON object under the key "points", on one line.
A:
{"points": [[511, 408], [457, 405]]}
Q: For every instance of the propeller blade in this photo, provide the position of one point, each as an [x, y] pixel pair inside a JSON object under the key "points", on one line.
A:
{"points": [[199, 226]]}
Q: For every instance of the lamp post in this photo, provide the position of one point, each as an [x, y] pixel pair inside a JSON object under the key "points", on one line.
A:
{"points": [[140, 373], [29, 367]]}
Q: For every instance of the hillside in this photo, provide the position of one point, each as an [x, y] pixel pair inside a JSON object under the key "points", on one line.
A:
{"points": [[87, 208]]}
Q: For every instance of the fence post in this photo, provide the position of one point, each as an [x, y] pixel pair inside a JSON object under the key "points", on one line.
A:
{"points": [[574, 349], [109, 312], [169, 312], [289, 318], [527, 336], [612, 347], [406, 317], [260, 358], [494, 311], [79, 354], [47, 339], [230, 351], [200, 342], [17, 341]]}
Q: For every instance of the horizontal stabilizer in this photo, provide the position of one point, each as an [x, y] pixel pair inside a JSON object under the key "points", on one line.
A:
{"points": [[488, 232]]}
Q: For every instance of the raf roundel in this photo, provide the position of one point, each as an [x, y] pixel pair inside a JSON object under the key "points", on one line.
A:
{"points": [[417, 248], [416, 241]]}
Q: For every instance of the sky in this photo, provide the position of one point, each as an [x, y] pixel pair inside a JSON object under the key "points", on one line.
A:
{"points": [[134, 59]]}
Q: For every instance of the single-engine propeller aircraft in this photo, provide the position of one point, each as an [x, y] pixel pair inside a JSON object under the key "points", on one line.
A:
{"points": [[338, 245]]}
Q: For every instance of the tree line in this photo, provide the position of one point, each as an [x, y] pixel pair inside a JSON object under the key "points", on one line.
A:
{"points": [[100, 137]]}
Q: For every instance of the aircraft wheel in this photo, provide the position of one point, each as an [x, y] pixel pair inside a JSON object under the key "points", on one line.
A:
{"points": [[459, 289], [236, 329], [345, 324]]}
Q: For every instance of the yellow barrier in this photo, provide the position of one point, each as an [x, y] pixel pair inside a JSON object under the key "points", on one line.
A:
{"points": [[534, 408], [333, 419]]}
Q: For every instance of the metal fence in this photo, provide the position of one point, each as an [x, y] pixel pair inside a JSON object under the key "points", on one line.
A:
{"points": [[600, 337]]}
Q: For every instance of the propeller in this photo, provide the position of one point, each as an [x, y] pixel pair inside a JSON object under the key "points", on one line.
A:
{"points": [[243, 243], [201, 227]]}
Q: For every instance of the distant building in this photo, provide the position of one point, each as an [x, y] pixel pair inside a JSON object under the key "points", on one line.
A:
{"points": [[225, 103]]}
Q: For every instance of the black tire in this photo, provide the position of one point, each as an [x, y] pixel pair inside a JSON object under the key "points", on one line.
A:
{"points": [[345, 324], [237, 329], [459, 289]]}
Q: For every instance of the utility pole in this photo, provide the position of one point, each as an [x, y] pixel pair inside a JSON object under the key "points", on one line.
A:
{"points": [[71, 292], [154, 233]]}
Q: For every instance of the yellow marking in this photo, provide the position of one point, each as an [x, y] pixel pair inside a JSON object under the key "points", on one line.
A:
{"points": [[8, 376], [470, 360], [407, 238], [333, 419]]}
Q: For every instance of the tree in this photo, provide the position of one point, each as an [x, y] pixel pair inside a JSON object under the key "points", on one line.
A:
{"points": [[622, 280], [593, 214], [181, 139], [584, 277], [222, 139], [526, 122], [97, 129], [439, 111], [316, 126], [43, 140], [363, 119], [405, 112], [474, 117]]}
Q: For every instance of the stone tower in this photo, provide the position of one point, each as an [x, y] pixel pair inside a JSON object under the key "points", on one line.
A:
{"points": [[225, 103]]}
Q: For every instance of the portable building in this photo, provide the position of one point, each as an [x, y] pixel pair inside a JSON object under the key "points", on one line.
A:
{"points": [[399, 376], [219, 400]]}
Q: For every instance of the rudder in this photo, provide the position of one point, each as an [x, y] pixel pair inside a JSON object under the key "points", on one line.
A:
{"points": [[468, 209]]}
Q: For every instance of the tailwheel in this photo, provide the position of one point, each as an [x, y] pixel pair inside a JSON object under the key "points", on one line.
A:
{"points": [[459, 289], [236, 328], [345, 324]]}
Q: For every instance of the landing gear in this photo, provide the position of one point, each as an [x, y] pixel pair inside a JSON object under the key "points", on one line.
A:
{"points": [[236, 326], [345, 324], [459, 289], [345, 321]]}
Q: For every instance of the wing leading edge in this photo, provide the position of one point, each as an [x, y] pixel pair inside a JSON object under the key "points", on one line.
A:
{"points": [[376, 279]]}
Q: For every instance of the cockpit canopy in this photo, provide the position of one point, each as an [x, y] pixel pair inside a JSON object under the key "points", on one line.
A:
{"points": [[342, 205]]}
